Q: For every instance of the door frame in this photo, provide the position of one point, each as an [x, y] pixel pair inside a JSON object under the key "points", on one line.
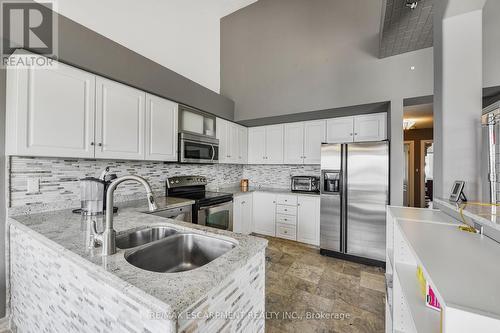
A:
{"points": [[411, 172], [422, 171]]}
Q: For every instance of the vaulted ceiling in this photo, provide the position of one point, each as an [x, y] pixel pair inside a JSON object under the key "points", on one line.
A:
{"points": [[404, 29]]}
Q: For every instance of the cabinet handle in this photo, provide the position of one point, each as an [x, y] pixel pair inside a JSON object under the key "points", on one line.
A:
{"points": [[351, 134], [243, 202], [285, 231], [274, 201], [99, 144], [355, 133], [92, 143]]}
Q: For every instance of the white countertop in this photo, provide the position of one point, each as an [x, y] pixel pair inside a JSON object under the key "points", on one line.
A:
{"points": [[462, 266]]}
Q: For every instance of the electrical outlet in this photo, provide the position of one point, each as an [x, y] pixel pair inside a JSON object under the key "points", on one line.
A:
{"points": [[33, 185]]}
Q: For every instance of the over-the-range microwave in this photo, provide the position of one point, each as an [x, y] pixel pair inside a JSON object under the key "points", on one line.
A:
{"points": [[195, 148]]}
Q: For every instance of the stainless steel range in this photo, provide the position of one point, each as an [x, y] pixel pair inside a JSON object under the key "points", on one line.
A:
{"points": [[212, 209]]}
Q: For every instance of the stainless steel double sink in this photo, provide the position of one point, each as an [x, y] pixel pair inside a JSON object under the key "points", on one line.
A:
{"points": [[166, 250]]}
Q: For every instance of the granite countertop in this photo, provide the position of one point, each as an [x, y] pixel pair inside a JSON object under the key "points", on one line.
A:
{"points": [[237, 190], [171, 293]]}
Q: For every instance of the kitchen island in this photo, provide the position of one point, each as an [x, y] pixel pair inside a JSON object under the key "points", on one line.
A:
{"points": [[58, 283]]}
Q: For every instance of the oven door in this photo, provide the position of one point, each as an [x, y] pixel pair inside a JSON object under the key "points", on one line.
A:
{"points": [[192, 151], [302, 184], [218, 216]]}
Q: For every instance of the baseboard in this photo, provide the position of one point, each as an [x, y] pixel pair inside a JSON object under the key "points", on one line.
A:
{"points": [[356, 259]]}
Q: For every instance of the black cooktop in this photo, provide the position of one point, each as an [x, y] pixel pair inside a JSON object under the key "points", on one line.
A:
{"points": [[202, 196]]}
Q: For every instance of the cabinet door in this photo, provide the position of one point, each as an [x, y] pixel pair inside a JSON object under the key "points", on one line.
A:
{"points": [[256, 145], [50, 112], [161, 129], [274, 144], [243, 214], [308, 219], [293, 146], [222, 134], [340, 130], [370, 127], [120, 120], [243, 145], [234, 147], [314, 136], [264, 212]]}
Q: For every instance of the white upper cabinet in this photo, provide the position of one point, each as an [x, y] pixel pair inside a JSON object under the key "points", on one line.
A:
{"points": [[50, 112], [303, 142], [294, 143], [161, 129], [221, 133], [120, 119], [314, 136], [340, 130], [243, 144], [256, 145], [308, 219], [232, 142], [370, 127], [274, 144]]}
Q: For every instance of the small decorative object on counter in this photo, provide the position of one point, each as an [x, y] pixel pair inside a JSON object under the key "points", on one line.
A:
{"points": [[244, 184], [431, 299]]}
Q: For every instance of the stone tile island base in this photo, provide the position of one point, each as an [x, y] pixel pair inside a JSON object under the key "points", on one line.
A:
{"points": [[52, 292]]}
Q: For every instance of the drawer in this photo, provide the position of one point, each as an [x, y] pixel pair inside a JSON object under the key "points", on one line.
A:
{"points": [[287, 210], [286, 219], [286, 231], [286, 199]]}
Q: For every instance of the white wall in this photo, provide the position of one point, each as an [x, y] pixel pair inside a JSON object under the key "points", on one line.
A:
{"points": [[182, 35]]}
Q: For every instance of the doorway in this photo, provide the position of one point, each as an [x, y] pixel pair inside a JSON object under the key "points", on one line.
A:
{"points": [[409, 175], [418, 126]]}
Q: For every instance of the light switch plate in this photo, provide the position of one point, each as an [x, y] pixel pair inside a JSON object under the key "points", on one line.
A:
{"points": [[33, 185]]}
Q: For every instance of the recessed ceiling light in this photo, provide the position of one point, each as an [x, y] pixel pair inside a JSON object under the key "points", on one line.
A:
{"points": [[412, 68]]}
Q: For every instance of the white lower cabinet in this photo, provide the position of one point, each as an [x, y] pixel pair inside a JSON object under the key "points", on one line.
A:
{"points": [[264, 213], [290, 216], [308, 218], [243, 214]]}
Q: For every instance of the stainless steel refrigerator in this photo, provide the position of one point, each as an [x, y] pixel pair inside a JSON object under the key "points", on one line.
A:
{"points": [[354, 195]]}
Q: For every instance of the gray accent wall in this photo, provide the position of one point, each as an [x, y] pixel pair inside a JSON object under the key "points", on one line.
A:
{"points": [[90, 51], [282, 57], [321, 114]]}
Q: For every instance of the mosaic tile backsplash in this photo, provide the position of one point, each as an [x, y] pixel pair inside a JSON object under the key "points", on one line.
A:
{"points": [[60, 186], [277, 175]]}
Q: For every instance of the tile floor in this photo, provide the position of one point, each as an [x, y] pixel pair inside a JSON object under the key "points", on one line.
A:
{"points": [[301, 282]]}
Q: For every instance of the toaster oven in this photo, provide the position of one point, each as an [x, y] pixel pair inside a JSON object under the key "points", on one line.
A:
{"points": [[305, 184]]}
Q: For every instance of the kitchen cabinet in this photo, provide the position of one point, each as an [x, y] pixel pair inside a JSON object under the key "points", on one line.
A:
{"points": [[265, 144], [243, 214], [264, 213], [302, 142], [362, 128], [232, 142], [120, 121], [161, 129], [370, 127], [50, 112], [340, 130], [294, 143], [308, 219], [243, 145]]}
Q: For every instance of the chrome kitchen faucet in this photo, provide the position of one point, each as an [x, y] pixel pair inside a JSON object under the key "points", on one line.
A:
{"points": [[108, 237]]}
